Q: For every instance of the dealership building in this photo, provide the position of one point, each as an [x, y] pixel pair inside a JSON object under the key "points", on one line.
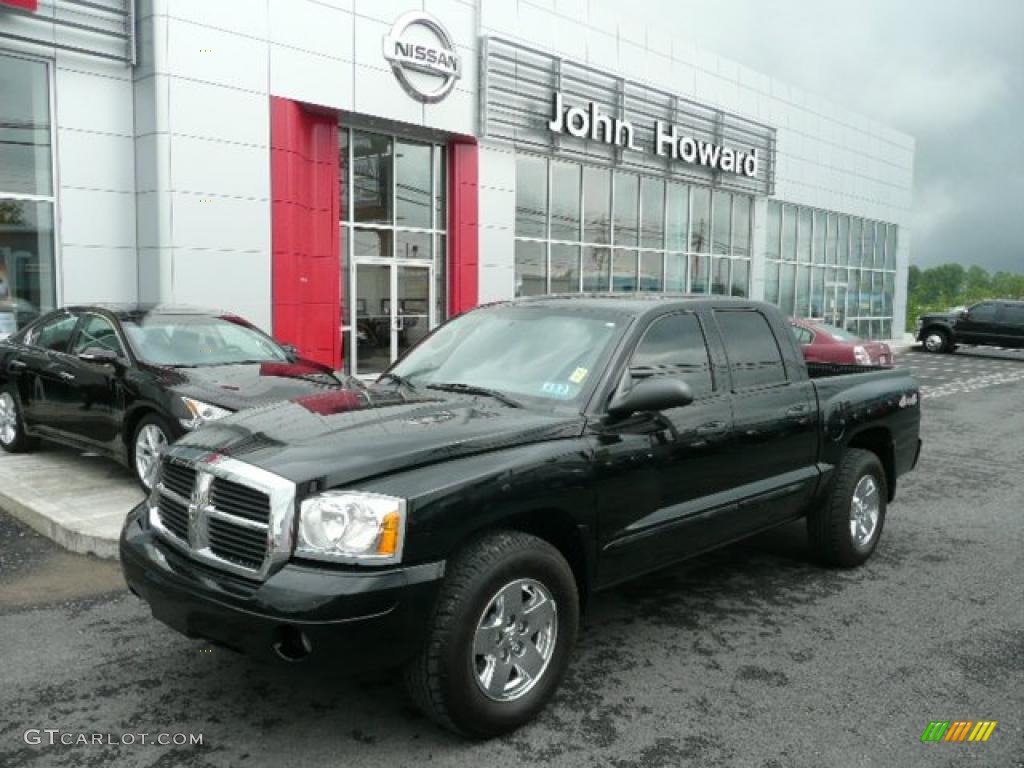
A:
{"points": [[349, 173]]}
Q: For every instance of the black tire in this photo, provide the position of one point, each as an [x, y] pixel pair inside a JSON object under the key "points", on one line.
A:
{"points": [[21, 441], [829, 525], [149, 420], [442, 680], [945, 341]]}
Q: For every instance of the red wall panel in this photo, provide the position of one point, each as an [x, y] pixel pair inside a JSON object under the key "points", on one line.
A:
{"points": [[306, 237], [463, 225], [29, 5]]}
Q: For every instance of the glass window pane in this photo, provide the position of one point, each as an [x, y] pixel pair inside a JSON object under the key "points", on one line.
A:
{"points": [[876, 295], [787, 287], [25, 164], [344, 183], [565, 268], [441, 278], [441, 187], [531, 268], [531, 196], [856, 243], [741, 226], [678, 215], [817, 293], [413, 187], [804, 235], [720, 277], [565, 201], [803, 291], [27, 276], [789, 216], [852, 296], [651, 266], [413, 245], [887, 294], [721, 222], [865, 294], [740, 277], [831, 238], [652, 233], [596, 269], [675, 273], [774, 226], [700, 219], [818, 241], [597, 203], [371, 242], [627, 200], [700, 267], [771, 282], [373, 320], [890, 247], [624, 270], [371, 178], [843, 245]]}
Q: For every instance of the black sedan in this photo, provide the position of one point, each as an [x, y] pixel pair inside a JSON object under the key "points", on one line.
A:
{"points": [[126, 381]]}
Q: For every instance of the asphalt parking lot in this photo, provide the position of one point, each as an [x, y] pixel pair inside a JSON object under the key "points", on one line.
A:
{"points": [[750, 656]]}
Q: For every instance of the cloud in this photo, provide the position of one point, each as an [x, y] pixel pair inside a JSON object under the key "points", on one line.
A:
{"points": [[950, 74]]}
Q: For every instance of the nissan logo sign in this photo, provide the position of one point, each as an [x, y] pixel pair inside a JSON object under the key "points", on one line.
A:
{"points": [[423, 57]]}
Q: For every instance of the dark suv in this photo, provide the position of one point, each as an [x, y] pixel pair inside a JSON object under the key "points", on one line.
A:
{"points": [[997, 323]]}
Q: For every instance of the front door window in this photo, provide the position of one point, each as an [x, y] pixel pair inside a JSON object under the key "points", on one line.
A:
{"points": [[393, 235]]}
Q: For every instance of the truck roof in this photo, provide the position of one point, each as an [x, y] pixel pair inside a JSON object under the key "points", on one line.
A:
{"points": [[631, 303]]}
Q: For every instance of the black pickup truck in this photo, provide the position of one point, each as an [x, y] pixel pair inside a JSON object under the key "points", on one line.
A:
{"points": [[990, 323], [454, 518]]}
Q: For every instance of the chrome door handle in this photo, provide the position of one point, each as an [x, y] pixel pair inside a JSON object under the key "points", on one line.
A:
{"points": [[18, 364], [797, 410], [66, 376]]}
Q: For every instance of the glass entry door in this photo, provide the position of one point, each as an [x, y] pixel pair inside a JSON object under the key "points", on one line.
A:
{"points": [[394, 309], [835, 300]]}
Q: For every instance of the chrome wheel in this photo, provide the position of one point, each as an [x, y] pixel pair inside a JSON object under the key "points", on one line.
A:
{"points": [[864, 511], [149, 444], [515, 639], [934, 342], [8, 419]]}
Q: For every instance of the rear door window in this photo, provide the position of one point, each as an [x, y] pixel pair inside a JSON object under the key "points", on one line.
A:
{"points": [[1013, 314], [983, 313], [754, 356], [674, 346]]}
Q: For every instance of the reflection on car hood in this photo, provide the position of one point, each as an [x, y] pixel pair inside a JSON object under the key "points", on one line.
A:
{"points": [[346, 436], [252, 384]]}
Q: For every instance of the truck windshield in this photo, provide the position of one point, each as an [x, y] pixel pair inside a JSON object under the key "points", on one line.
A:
{"points": [[531, 352]]}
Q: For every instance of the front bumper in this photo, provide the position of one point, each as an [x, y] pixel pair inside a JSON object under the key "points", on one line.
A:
{"points": [[341, 619]]}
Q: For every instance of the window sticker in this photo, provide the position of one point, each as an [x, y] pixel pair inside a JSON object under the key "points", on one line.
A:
{"points": [[579, 375], [556, 388]]}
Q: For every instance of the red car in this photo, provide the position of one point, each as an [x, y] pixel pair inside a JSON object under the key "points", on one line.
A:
{"points": [[823, 343]]}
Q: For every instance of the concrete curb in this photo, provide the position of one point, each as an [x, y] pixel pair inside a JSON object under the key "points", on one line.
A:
{"points": [[73, 536], [76, 500]]}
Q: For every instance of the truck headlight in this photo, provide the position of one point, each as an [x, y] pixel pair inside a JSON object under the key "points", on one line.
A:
{"points": [[200, 413], [350, 526]]}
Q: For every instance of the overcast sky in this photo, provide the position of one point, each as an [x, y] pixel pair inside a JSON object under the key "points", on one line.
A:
{"points": [[948, 72]]}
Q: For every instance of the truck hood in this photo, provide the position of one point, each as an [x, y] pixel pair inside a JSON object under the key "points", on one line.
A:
{"points": [[347, 436]]}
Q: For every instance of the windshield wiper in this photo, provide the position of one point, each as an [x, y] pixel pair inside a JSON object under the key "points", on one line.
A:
{"points": [[471, 389], [398, 379]]}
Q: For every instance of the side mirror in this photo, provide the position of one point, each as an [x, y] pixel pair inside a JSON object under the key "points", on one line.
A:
{"points": [[292, 351], [653, 394], [100, 356], [963, 314]]}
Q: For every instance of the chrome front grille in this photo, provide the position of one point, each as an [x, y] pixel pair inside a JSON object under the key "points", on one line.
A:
{"points": [[223, 512]]}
